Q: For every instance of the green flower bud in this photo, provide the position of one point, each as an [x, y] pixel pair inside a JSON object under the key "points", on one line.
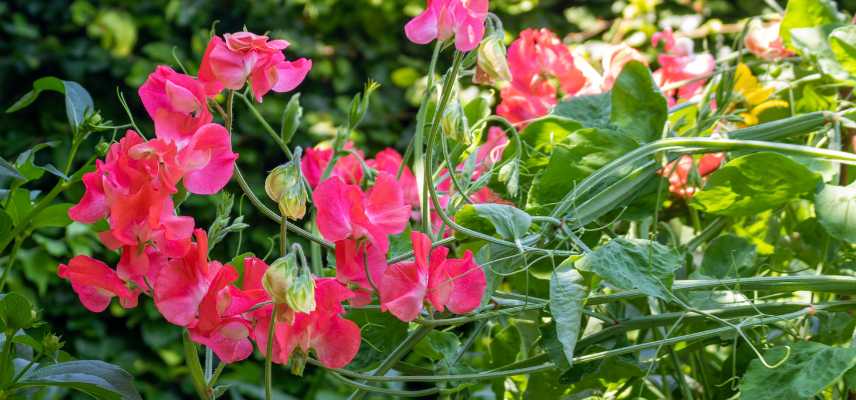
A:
{"points": [[492, 62], [102, 148], [301, 295], [285, 186], [279, 277], [51, 343], [455, 125]]}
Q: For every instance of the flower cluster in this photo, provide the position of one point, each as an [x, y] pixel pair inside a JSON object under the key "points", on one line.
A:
{"points": [[163, 255], [681, 66], [442, 19]]}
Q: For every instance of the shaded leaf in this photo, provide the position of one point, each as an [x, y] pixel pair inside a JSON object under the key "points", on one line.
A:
{"points": [[634, 264], [728, 256], [510, 222], [96, 378], [809, 369], [568, 293], [55, 215], [836, 211]]}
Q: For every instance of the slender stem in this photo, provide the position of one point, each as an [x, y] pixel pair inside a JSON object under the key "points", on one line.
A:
{"points": [[380, 390], [217, 371], [397, 354], [209, 364], [230, 117], [10, 262], [419, 168], [269, 356], [267, 128], [283, 242], [7, 351]]}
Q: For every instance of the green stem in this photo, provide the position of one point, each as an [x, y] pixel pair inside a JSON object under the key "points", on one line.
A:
{"points": [[7, 351], [269, 356], [419, 168], [10, 262], [397, 354], [267, 128]]}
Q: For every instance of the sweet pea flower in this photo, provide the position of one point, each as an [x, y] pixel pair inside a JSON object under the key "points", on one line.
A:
{"points": [[678, 172], [335, 340], [96, 284], [764, 41], [680, 63], [446, 283], [353, 260], [388, 160], [238, 57], [345, 212], [176, 102], [443, 19], [315, 160]]}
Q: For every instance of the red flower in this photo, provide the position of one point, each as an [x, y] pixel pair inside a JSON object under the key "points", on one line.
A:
{"points": [[315, 160], [362, 264], [95, 284], [678, 172], [246, 56], [454, 284]]}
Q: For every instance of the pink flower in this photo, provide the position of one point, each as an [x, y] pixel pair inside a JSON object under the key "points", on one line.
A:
{"points": [[444, 18], [362, 264], [176, 102], [678, 172], [345, 212], [95, 284], [535, 59], [763, 40], [388, 160], [207, 160], [679, 64], [334, 340], [238, 57], [447, 283], [314, 163]]}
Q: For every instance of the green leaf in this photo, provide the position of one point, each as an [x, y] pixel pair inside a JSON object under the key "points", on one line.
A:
{"points": [[568, 293], [77, 99], [55, 215], [9, 170], [753, 183], [809, 369], [812, 44], [573, 159], [19, 205], [96, 378], [728, 256], [510, 222], [638, 107], [16, 311], [634, 264], [835, 207], [380, 332], [291, 118], [590, 111], [440, 346], [842, 42], [807, 13]]}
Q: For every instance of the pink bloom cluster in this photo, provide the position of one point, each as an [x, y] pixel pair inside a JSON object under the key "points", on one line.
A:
{"points": [[133, 189], [442, 19], [680, 63], [360, 223]]}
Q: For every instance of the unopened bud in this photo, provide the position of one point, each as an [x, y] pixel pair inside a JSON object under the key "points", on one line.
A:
{"points": [[285, 186], [492, 62], [454, 124], [51, 343], [102, 148], [279, 277], [301, 295]]}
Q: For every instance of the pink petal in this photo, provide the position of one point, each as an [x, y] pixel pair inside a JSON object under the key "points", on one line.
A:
{"points": [[469, 34], [334, 200], [385, 207], [403, 290], [424, 27], [211, 142], [183, 283], [290, 74], [336, 341], [230, 341], [93, 205], [353, 262], [95, 283], [457, 284]]}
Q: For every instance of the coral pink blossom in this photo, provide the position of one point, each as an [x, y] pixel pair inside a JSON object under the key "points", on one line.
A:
{"points": [[95, 284], [226, 334], [389, 161], [678, 172], [238, 57], [534, 59], [315, 160], [362, 264], [447, 283], [764, 41], [184, 281], [443, 19], [334, 340], [176, 102], [680, 64], [345, 212], [207, 160]]}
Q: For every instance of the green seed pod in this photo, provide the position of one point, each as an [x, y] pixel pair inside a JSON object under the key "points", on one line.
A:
{"points": [[285, 186], [301, 295]]}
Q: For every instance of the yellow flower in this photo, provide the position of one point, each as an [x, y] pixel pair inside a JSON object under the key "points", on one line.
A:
{"points": [[747, 85]]}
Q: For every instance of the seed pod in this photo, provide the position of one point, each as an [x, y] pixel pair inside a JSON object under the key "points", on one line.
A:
{"points": [[285, 186]]}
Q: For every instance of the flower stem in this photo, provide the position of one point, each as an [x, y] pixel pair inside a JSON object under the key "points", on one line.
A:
{"points": [[419, 138], [269, 355], [266, 126], [397, 354]]}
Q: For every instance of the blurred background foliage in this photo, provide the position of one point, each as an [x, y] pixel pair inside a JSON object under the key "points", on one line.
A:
{"points": [[110, 46]]}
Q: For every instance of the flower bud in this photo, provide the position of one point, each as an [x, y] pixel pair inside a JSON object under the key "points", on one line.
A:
{"points": [[284, 185], [301, 295], [492, 62], [454, 124], [51, 344], [279, 277]]}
